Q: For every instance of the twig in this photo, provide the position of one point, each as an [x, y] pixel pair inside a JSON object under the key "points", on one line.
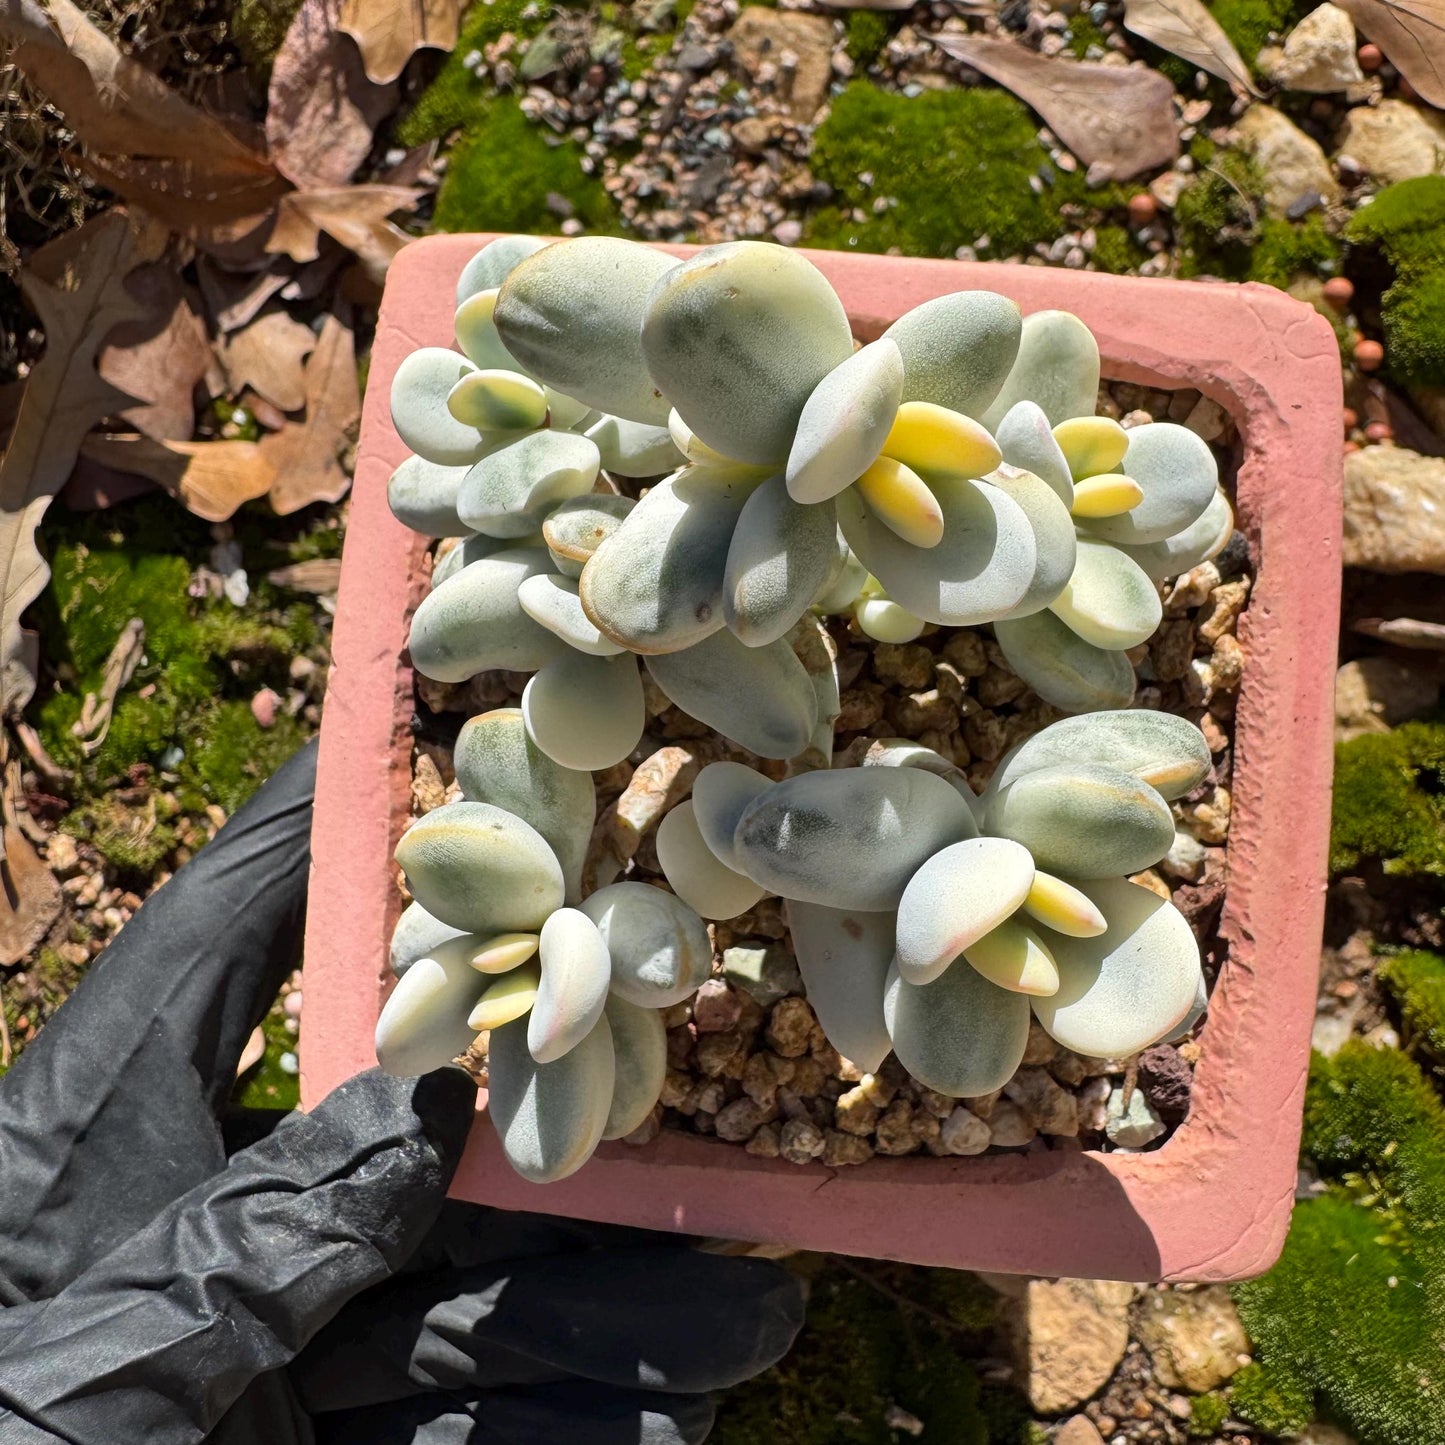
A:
{"points": [[5, 1050]]}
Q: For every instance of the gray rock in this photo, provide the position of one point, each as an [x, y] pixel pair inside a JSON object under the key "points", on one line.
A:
{"points": [[1318, 55], [1373, 694], [1134, 1127], [1292, 163], [1394, 510], [1394, 141]]}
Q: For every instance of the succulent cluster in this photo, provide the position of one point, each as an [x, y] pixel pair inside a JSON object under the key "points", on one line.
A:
{"points": [[927, 921], [684, 466], [498, 940]]}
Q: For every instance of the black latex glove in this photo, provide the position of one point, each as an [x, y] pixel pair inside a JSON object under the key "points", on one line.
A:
{"points": [[314, 1286]]}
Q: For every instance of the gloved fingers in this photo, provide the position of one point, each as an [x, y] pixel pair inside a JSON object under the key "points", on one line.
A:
{"points": [[158, 1339], [378, 1350], [466, 1235], [664, 1316], [84, 1118], [574, 1413]]}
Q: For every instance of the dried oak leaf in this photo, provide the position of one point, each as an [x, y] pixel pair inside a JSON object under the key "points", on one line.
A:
{"points": [[139, 137], [30, 898], [234, 299], [210, 479], [356, 216], [270, 355], [74, 284], [159, 357], [389, 32], [310, 457], [1118, 118], [1186, 29], [321, 108], [1412, 35]]}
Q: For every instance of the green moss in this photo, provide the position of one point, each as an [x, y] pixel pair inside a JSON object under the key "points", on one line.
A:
{"points": [[134, 841], [1217, 217], [1417, 980], [867, 35], [1271, 1400], [861, 1352], [1354, 1312], [1389, 800], [457, 97], [236, 755], [952, 165], [268, 1086], [502, 171], [1285, 249], [1116, 250], [1406, 224], [1251, 23], [257, 28], [1083, 33], [1207, 1414], [203, 658]]}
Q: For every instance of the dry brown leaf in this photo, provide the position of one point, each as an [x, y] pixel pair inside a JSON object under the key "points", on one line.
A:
{"points": [[322, 109], [30, 898], [74, 286], [1119, 118], [1186, 29], [231, 299], [309, 457], [140, 137], [356, 216], [270, 355], [1412, 35], [390, 32], [160, 356], [99, 707], [210, 479]]}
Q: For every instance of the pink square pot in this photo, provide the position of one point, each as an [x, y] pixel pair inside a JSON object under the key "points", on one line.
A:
{"points": [[1214, 1202]]}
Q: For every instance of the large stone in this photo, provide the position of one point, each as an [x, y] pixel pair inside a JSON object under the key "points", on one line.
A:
{"points": [[1317, 55], [1394, 141], [1294, 166], [1394, 511], [798, 47], [1195, 1339], [1069, 1336], [1078, 1431], [1372, 694]]}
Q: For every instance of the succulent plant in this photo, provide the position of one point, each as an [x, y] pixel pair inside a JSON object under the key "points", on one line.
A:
{"points": [[669, 474], [930, 922], [569, 996]]}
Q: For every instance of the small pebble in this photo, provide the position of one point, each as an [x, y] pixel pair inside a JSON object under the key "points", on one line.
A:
{"points": [[289, 1063], [1142, 208], [1134, 1127], [801, 1141], [292, 1004], [1371, 57], [1338, 291], [1369, 355], [263, 707]]}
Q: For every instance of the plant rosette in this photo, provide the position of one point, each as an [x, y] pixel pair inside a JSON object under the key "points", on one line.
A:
{"points": [[689, 463]]}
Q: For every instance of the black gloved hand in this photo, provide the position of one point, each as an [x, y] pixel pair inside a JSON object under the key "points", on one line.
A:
{"points": [[314, 1286]]}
